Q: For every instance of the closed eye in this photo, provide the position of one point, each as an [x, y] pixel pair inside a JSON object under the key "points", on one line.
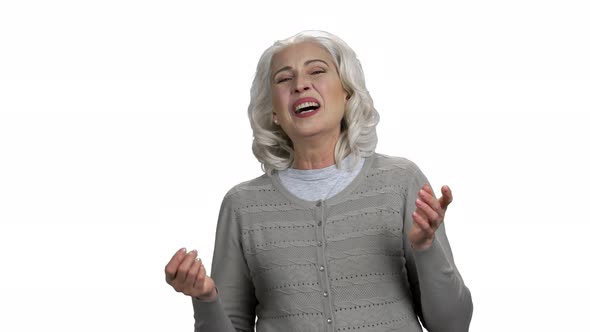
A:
{"points": [[317, 72], [284, 79]]}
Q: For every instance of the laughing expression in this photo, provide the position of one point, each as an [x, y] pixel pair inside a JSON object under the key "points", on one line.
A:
{"points": [[307, 95]]}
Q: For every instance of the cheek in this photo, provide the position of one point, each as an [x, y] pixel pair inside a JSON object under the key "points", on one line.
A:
{"points": [[329, 87], [279, 99], [333, 93]]}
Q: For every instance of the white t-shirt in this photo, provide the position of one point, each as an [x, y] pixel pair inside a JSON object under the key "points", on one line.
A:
{"points": [[323, 183]]}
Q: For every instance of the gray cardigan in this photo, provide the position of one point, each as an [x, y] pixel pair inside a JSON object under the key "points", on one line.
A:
{"points": [[341, 264]]}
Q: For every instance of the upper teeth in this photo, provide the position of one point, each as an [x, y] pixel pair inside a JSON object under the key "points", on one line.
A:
{"points": [[306, 104]]}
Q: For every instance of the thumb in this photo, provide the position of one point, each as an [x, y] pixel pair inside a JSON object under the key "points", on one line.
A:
{"points": [[447, 197]]}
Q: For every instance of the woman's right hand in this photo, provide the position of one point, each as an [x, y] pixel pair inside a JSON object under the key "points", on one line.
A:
{"points": [[186, 274]]}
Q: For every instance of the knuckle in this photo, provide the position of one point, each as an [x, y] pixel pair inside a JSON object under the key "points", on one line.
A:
{"points": [[192, 274], [422, 222], [168, 270], [183, 270]]}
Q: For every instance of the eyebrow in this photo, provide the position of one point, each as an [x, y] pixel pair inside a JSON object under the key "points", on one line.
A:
{"points": [[305, 64]]}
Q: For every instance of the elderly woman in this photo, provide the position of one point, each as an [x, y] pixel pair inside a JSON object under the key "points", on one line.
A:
{"points": [[333, 237]]}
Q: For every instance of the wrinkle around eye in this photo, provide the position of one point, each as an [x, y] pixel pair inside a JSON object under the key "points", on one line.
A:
{"points": [[282, 79]]}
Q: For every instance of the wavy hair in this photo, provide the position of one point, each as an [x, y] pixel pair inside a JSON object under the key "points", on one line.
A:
{"points": [[358, 136]]}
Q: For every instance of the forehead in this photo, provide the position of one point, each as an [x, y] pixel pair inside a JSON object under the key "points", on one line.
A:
{"points": [[297, 54]]}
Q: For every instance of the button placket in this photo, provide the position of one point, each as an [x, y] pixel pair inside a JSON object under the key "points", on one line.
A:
{"points": [[320, 218]]}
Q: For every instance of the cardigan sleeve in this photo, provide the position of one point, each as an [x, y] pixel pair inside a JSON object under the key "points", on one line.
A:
{"points": [[441, 298], [234, 308]]}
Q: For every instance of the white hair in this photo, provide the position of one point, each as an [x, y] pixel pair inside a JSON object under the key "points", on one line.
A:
{"points": [[358, 137]]}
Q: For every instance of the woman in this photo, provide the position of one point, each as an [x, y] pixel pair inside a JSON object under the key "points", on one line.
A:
{"points": [[333, 237]]}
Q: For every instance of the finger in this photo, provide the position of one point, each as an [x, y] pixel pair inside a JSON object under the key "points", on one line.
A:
{"points": [[428, 212], [200, 278], [425, 217], [173, 264], [447, 197], [192, 274], [429, 199], [423, 224], [427, 188], [185, 266]]}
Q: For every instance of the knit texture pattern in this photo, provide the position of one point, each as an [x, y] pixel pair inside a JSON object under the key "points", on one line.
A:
{"points": [[333, 265]]}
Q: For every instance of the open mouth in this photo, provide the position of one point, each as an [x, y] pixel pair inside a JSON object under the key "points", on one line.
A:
{"points": [[306, 107]]}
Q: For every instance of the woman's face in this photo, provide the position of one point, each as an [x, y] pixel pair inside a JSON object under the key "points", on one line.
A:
{"points": [[307, 96]]}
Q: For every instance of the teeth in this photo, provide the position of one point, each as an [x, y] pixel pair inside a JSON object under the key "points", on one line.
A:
{"points": [[306, 104]]}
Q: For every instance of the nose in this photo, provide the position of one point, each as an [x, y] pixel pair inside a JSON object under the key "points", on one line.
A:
{"points": [[302, 84]]}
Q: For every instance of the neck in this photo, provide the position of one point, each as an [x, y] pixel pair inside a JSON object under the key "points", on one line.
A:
{"points": [[314, 153]]}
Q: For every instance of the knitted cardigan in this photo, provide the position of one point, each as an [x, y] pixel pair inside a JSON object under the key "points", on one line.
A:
{"points": [[342, 264]]}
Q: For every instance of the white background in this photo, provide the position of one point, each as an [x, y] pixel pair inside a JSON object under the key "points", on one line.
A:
{"points": [[123, 123]]}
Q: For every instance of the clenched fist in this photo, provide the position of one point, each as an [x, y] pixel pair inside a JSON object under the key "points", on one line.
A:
{"points": [[186, 274]]}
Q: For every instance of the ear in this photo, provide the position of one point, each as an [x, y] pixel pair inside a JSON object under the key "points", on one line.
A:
{"points": [[275, 119]]}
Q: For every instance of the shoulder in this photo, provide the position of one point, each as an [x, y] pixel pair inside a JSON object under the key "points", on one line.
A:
{"points": [[397, 171], [255, 196], [248, 191], [395, 164]]}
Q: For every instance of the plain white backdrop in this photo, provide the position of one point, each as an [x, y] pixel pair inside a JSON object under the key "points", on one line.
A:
{"points": [[123, 123]]}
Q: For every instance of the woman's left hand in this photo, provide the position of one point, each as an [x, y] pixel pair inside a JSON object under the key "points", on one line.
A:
{"points": [[429, 214]]}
